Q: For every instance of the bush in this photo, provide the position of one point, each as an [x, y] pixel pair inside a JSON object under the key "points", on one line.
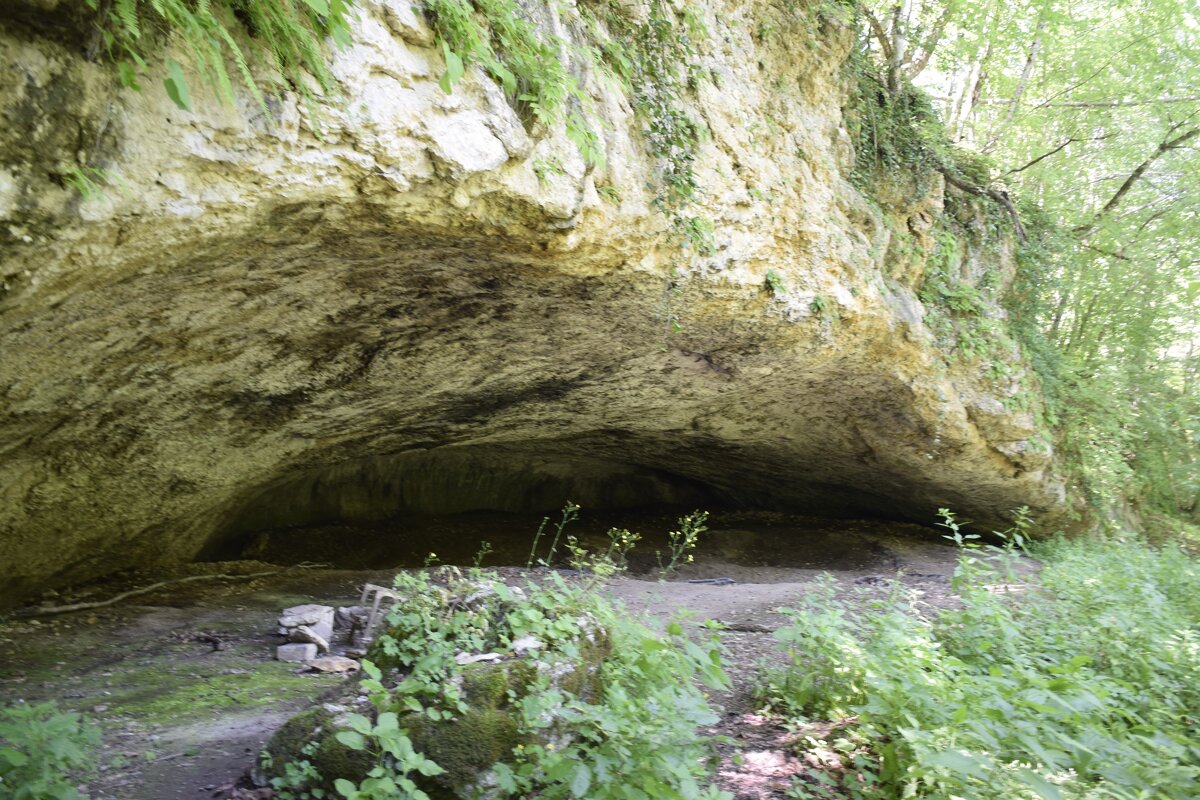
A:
{"points": [[1084, 684], [41, 749], [578, 699]]}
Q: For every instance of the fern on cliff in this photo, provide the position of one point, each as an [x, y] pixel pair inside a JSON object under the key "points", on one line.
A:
{"points": [[286, 37], [501, 37]]}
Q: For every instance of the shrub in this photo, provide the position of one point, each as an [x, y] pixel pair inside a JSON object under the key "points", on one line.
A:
{"points": [[41, 748], [579, 699], [1086, 683]]}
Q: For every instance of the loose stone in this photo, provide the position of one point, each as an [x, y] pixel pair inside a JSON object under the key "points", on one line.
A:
{"points": [[296, 652]]}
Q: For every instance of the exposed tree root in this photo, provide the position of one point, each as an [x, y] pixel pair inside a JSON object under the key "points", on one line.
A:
{"points": [[46, 611]]}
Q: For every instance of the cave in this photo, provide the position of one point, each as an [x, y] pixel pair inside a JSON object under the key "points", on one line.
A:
{"points": [[410, 316], [394, 510]]}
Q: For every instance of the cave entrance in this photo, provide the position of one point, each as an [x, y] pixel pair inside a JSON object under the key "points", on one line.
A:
{"points": [[486, 504]]}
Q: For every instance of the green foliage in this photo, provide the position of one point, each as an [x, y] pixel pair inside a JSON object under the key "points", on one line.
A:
{"points": [[607, 700], [1082, 684], [1088, 114], [503, 38], [962, 318], [604, 564], [942, 285], [543, 168], [570, 513], [775, 283], [682, 542], [696, 233], [654, 57], [42, 752], [300, 779], [88, 181], [642, 732], [286, 38], [609, 193], [891, 130], [657, 59], [398, 760], [823, 308]]}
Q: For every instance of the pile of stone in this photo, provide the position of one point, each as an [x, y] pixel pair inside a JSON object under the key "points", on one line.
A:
{"points": [[313, 629], [308, 630]]}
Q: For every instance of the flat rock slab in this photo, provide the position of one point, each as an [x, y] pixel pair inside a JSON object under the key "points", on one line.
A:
{"points": [[304, 633], [296, 652], [334, 664], [310, 614]]}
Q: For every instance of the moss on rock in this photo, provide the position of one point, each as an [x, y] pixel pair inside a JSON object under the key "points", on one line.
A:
{"points": [[312, 736], [464, 747], [487, 685]]}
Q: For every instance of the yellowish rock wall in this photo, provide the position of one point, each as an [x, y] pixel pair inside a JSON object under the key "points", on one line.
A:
{"points": [[251, 306]]}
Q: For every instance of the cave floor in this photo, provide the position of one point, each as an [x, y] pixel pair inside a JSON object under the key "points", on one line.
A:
{"points": [[182, 719]]}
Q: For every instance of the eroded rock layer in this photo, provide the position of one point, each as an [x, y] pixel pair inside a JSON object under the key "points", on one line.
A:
{"points": [[432, 307]]}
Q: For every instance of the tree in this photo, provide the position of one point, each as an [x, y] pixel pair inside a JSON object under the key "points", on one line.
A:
{"points": [[1091, 114]]}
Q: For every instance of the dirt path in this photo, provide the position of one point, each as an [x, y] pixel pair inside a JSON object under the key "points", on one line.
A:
{"points": [[184, 719], [758, 758]]}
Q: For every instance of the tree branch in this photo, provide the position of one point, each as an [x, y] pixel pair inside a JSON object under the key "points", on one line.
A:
{"points": [[929, 44], [1167, 145], [1022, 84], [45, 611], [880, 32], [993, 194], [1110, 253], [1052, 152], [1148, 101]]}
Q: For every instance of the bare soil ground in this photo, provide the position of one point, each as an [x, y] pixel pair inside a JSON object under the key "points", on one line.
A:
{"points": [[184, 684]]}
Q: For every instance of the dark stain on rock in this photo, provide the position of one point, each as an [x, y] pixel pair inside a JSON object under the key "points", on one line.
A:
{"points": [[266, 410]]}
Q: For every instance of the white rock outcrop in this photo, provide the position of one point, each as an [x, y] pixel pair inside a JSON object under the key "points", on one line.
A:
{"points": [[255, 325]]}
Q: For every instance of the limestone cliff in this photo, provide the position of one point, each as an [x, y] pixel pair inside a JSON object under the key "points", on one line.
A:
{"points": [[434, 306]]}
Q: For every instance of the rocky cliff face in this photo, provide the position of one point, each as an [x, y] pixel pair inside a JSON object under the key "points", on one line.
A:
{"points": [[433, 307]]}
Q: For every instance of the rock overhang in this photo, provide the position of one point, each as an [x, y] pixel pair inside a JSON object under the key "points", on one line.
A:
{"points": [[264, 311]]}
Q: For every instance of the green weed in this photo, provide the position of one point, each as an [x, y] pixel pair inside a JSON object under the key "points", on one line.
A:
{"points": [[606, 701], [43, 751], [1081, 683]]}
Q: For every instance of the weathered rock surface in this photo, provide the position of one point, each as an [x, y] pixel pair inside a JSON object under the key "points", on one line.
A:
{"points": [[296, 652], [258, 327]]}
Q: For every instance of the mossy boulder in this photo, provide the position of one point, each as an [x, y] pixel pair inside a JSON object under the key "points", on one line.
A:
{"points": [[312, 736], [465, 746]]}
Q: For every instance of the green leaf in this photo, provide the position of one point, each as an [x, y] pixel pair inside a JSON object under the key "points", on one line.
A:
{"points": [[352, 739], [454, 69], [1045, 789], [14, 757], [360, 723], [954, 760], [341, 35], [346, 788], [581, 780], [319, 6], [128, 76], [176, 86]]}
